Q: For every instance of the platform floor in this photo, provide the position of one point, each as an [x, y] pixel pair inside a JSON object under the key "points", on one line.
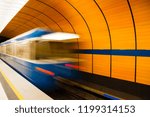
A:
{"points": [[13, 86], [3, 95]]}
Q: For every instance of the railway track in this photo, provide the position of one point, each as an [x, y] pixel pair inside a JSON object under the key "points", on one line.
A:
{"points": [[69, 91]]}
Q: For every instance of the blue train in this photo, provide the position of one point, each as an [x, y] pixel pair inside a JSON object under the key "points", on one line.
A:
{"points": [[40, 55]]}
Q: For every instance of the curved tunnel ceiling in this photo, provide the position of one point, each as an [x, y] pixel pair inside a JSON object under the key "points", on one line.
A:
{"points": [[101, 24]]}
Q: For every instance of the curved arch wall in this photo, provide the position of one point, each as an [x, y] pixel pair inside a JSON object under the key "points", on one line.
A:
{"points": [[114, 35]]}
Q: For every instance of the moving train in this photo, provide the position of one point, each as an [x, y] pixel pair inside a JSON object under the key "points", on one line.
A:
{"points": [[40, 54]]}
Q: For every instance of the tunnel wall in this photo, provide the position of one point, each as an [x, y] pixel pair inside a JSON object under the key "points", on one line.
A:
{"points": [[114, 35]]}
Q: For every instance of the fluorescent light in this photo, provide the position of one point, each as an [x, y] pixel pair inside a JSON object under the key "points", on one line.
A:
{"points": [[60, 36], [8, 9]]}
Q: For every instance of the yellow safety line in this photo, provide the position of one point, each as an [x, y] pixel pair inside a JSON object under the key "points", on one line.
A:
{"points": [[20, 97]]}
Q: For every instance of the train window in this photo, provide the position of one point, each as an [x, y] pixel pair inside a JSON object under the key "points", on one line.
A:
{"points": [[9, 49], [54, 50], [0, 49], [24, 50], [3, 49]]}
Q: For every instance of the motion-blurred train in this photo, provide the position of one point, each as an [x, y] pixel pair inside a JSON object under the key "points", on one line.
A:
{"points": [[39, 55]]}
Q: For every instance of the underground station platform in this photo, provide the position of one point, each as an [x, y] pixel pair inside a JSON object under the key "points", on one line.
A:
{"points": [[74, 50]]}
